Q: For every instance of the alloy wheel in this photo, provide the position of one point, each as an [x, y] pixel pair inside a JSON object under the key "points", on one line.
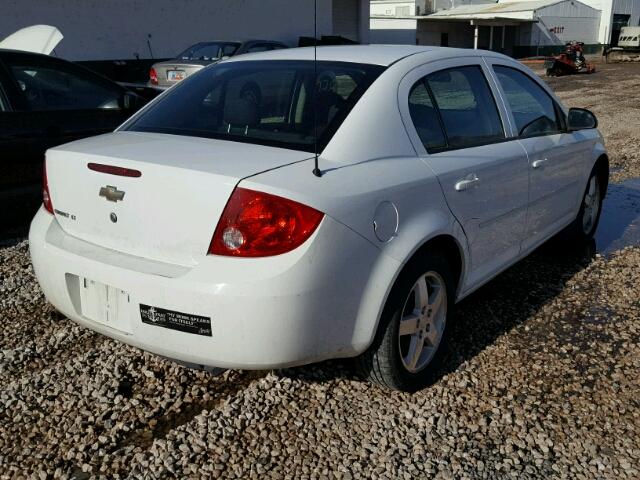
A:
{"points": [[422, 321]]}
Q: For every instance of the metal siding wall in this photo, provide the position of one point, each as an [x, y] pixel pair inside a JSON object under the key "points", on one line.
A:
{"points": [[389, 8], [564, 22], [628, 7], [566, 29], [116, 29], [393, 31], [569, 9], [460, 34]]}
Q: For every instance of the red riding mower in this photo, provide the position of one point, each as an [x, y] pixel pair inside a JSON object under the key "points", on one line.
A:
{"points": [[569, 62]]}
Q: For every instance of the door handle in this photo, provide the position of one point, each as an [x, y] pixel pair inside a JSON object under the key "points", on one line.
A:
{"points": [[466, 182], [539, 163]]}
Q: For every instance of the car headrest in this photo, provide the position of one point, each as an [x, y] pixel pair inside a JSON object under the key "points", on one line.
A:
{"points": [[241, 113]]}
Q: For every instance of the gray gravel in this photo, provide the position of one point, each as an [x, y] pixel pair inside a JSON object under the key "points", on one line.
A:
{"points": [[542, 382]]}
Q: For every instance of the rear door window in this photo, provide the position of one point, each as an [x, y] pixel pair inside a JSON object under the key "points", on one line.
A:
{"points": [[534, 111], [455, 108]]}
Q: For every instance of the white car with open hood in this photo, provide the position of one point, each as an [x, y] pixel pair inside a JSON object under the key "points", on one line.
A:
{"points": [[200, 231], [36, 39]]}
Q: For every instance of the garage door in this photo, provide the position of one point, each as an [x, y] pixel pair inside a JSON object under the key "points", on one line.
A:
{"points": [[346, 18]]}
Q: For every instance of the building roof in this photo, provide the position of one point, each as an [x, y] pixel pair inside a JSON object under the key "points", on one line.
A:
{"points": [[383, 55], [517, 11], [501, 7]]}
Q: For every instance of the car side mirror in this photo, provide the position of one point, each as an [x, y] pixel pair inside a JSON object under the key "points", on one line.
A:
{"points": [[581, 119]]}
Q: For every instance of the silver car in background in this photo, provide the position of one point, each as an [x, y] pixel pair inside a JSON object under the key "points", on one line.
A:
{"points": [[165, 74]]}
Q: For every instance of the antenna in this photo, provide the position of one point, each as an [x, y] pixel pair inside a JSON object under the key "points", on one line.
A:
{"points": [[316, 170]]}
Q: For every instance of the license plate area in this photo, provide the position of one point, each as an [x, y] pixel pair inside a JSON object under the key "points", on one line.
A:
{"points": [[175, 75], [105, 304]]}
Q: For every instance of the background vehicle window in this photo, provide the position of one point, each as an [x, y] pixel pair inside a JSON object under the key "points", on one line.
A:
{"points": [[425, 117], [533, 109], [208, 51], [46, 88], [229, 50], [259, 48], [466, 106]]}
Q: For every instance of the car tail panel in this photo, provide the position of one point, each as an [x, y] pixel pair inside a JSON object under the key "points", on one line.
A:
{"points": [[168, 74], [154, 196]]}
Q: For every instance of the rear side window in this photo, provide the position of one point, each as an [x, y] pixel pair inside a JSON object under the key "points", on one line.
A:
{"points": [[534, 111], [425, 118], [454, 108]]}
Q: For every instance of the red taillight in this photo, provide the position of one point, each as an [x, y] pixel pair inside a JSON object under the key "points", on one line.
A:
{"points": [[46, 196], [257, 224], [153, 76]]}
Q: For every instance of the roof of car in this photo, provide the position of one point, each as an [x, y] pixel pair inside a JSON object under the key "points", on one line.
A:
{"points": [[383, 55]]}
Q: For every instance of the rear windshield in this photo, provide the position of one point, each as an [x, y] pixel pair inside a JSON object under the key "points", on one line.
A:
{"points": [[276, 103], [209, 51]]}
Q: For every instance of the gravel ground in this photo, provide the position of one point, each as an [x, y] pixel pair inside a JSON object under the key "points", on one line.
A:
{"points": [[541, 382], [613, 94]]}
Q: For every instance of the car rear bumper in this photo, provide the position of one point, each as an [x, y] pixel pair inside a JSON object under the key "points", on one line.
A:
{"points": [[271, 312]]}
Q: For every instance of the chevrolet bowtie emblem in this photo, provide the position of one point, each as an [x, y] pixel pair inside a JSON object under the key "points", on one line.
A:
{"points": [[111, 193]]}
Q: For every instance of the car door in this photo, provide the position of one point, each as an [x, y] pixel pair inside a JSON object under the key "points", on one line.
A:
{"points": [[459, 130], [50, 102], [19, 175], [554, 155]]}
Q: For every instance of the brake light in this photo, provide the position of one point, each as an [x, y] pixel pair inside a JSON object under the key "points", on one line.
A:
{"points": [[46, 196], [153, 76], [113, 170], [257, 224]]}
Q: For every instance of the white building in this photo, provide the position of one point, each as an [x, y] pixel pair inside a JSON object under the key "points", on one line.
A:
{"points": [[122, 29], [615, 15], [516, 27]]}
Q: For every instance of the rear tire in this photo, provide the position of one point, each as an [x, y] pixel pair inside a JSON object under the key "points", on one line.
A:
{"points": [[412, 334]]}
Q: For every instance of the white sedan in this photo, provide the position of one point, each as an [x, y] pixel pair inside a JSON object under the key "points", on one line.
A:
{"points": [[201, 231]]}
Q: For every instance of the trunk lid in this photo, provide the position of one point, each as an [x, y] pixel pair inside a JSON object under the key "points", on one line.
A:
{"points": [[170, 212]]}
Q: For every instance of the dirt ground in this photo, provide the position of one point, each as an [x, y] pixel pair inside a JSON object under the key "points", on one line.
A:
{"points": [[613, 94]]}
